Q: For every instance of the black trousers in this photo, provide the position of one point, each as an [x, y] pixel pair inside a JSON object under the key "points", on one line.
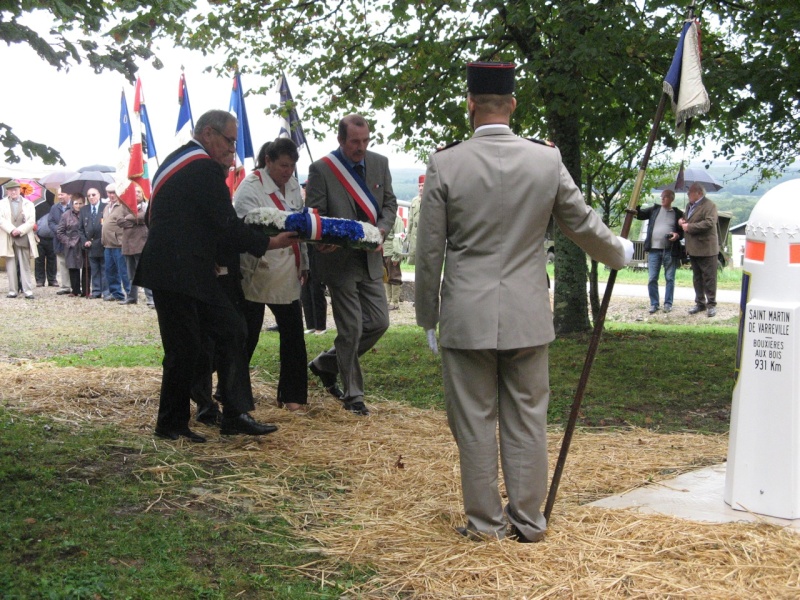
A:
{"points": [[75, 281], [315, 306], [45, 266], [293, 379], [185, 324]]}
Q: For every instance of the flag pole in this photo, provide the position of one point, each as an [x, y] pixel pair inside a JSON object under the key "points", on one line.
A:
{"points": [[597, 333]]}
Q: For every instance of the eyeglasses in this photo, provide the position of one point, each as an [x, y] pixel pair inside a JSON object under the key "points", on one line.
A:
{"points": [[92, 195], [231, 141]]}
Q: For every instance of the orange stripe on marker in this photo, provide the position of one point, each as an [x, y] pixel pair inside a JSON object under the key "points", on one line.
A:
{"points": [[755, 250], [794, 254]]}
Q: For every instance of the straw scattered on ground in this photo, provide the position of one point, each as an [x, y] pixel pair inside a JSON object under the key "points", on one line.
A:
{"points": [[384, 492]]}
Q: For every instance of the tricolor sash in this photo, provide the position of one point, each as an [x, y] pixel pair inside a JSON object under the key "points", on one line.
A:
{"points": [[281, 206], [175, 163], [354, 185]]}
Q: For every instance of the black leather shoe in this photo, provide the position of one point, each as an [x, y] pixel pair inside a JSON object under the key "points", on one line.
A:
{"points": [[712, 311], [516, 535], [63, 292], [696, 309], [210, 417], [245, 424], [356, 407], [129, 301], [174, 434], [653, 309], [328, 381]]}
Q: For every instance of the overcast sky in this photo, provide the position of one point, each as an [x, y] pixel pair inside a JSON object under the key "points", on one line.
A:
{"points": [[77, 112]]}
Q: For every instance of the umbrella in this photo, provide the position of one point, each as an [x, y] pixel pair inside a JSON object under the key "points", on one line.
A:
{"points": [[56, 178], [86, 180], [101, 168], [31, 189], [690, 176]]}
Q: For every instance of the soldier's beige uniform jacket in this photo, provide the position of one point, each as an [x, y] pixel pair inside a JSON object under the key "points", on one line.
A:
{"points": [[486, 203]]}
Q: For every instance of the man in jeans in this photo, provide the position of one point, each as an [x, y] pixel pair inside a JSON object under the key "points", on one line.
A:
{"points": [[663, 246]]}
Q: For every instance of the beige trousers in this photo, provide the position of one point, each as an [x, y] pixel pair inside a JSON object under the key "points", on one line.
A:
{"points": [[511, 387]]}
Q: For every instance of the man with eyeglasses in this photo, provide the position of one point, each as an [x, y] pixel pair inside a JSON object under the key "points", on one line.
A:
{"points": [[91, 232], [186, 262], [119, 287]]}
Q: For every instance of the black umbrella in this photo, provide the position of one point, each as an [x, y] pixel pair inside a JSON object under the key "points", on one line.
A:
{"points": [[690, 176], [101, 168], [87, 180]]}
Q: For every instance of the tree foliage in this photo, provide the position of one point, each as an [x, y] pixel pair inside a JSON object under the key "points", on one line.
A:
{"points": [[589, 71]]}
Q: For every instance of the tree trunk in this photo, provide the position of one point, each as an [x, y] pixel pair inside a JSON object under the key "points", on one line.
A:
{"points": [[570, 307]]}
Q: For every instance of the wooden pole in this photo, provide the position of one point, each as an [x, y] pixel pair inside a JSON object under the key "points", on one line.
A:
{"points": [[598, 327]]}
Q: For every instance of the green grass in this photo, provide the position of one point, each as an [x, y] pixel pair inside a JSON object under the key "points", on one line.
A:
{"points": [[74, 501], [73, 512], [665, 377]]}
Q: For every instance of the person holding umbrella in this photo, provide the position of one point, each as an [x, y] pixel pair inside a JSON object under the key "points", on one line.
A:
{"points": [[702, 245]]}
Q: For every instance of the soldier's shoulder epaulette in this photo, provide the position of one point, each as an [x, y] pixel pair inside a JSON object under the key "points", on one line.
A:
{"points": [[547, 143], [450, 145]]}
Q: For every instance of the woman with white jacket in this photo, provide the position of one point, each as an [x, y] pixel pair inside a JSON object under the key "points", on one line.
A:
{"points": [[275, 279]]}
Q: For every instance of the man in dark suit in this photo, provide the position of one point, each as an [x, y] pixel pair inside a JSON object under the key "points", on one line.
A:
{"points": [[192, 225], [352, 183], [91, 232], [702, 245]]}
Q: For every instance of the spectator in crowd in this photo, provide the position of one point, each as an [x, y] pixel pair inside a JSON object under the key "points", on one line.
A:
{"points": [[702, 245], [663, 247], [119, 286], [134, 236], [354, 277], [92, 240], [413, 222], [45, 267], [58, 210], [68, 234], [17, 239], [392, 257], [274, 280]]}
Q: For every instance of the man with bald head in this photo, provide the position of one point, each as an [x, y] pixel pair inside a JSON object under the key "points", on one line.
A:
{"points": [[91, 232], [193, 231]]}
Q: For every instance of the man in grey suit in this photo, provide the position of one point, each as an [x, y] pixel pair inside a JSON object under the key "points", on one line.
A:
{"points": [[352, 183], [486, 205], [702, 245]]}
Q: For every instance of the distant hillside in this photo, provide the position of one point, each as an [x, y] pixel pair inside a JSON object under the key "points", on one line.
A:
{"points": [[404, 182]]}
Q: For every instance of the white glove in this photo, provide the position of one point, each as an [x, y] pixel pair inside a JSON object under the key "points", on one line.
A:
{"points": [[432, 341], [627, 246]]}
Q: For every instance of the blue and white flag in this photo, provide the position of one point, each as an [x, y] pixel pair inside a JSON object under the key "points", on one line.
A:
{"points": [[684, 80], [290, 127], [125, 131], [244, 143], [185, 111]]}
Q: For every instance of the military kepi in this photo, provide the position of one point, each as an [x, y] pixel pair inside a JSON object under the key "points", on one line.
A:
{"points": [[490, 78]]}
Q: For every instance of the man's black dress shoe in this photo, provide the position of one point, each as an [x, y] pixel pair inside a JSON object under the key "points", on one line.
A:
{"points": [[712, 311], [245, 424], [516, 535], [696, 309], [328, 381], [356, 407], [174, 434], [129, 301], [63, 292]]}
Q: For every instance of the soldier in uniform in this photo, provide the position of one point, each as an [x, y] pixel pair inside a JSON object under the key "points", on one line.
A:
{"points": [[486, 205]]}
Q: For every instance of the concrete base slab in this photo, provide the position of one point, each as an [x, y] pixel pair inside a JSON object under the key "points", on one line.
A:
{"points": [[696, 496]]}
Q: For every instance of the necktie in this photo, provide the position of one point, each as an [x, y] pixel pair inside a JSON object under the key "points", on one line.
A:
{"points": [[360, 170], [94, 211]]}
